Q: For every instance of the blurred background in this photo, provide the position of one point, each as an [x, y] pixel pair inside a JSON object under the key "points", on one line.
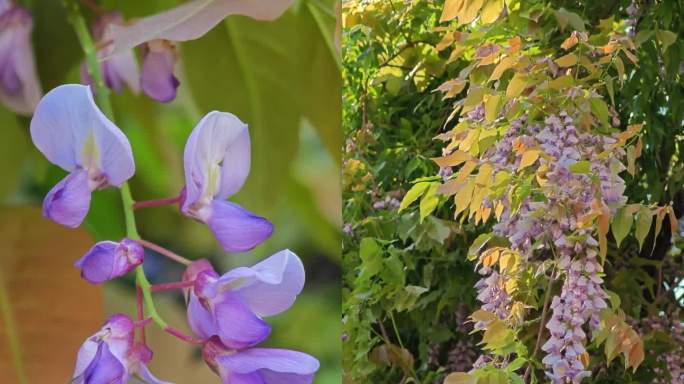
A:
{"points": [[283, 79]]}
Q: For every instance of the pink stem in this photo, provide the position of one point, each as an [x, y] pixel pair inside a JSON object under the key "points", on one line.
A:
{"points": [[165, 252], [170, 286], [139, 299], [156, 203], [142, 323], [182, 336], [93, 6]]}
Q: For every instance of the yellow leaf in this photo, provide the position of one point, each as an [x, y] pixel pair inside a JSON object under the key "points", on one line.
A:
{"points": [[469, 12], [492, 107], [485, 175], [636, 355], [484, 316], [455, 158], [478, 197], [506, 63], [516, 85], [486, 212], [490, 257], [498, 210], [462, 198], [451, 9], [451, 88], [460, 378], [474, 98], [471, 139], [491, 11], [567, 60], [465, 171], [570, 41], [514, 44], [528, 158]]}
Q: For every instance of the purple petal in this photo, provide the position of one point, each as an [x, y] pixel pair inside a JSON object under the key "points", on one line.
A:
{"points": [[193, 19], [72, 132], [237, 326], [105, 368], [272, 366], [200, 320], [108, 260], [68, 202], [19, 86], [237, 229], [216, 159], [269, 287], [157, 79], [122, 68]]}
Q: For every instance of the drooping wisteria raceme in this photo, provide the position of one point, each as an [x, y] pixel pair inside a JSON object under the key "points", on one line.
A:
{"points": [[225, 312], [19, 86], [537, 148], [158, 37]]}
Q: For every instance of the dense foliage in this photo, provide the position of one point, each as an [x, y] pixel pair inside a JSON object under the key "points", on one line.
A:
{"points": [[409, 288]]}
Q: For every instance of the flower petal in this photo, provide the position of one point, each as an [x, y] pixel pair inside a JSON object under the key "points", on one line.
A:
{"points": [[157, 79], [237, 326], [69, 129], [122, 67], [107, 260], [19, 86], [216, 159], [105, 368], [269, 287], [68, 201], [200, 320], [273, 366], [237, 229], [193, 19]]}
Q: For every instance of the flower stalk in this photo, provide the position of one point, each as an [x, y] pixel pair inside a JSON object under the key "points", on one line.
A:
{"points": [[102, 96]]}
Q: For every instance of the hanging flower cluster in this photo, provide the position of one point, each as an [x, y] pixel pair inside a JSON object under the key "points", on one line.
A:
{"points": [[537, 149], [225, 312]]}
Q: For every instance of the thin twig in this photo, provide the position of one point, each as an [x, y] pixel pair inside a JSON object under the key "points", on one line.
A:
{"points": [[189, 339], [156, 202], [164, 252], [170, 286], [547, 300]]}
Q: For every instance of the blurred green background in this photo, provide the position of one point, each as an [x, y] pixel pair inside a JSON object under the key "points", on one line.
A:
{"points": [[283, 79]]}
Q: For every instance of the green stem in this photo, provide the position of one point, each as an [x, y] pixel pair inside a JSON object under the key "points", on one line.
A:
{"points": [[102, 97], [12, 333]]}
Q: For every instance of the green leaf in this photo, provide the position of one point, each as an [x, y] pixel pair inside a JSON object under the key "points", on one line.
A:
{"points": [[621, 225], [666, 38], [644, 218], [272, 75], [600, 109], [429, 202], [413, 194], [478, 243], [371, 257], [580, 167], [565, 18]]}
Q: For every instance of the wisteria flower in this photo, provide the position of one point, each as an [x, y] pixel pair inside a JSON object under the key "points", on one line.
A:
{"points": [[259, 365], [107, 260], [157, 78], [232, 306], [19, 86], [73, 133], [118, 68], [192, 20], [217, 160], [110, 356]]}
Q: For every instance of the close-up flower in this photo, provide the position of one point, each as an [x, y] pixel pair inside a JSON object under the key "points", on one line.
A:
{"points": [[107, 260], [217, 159], [72, 133]]}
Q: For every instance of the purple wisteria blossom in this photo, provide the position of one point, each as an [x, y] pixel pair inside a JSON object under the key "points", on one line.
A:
{"points": [[107, 260], [73, 133], [118, 68], [19, 86], [491, 292], [579, 303], [157, 78], [231, 306], [217, 160], [110, 356], [259, 365]]}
